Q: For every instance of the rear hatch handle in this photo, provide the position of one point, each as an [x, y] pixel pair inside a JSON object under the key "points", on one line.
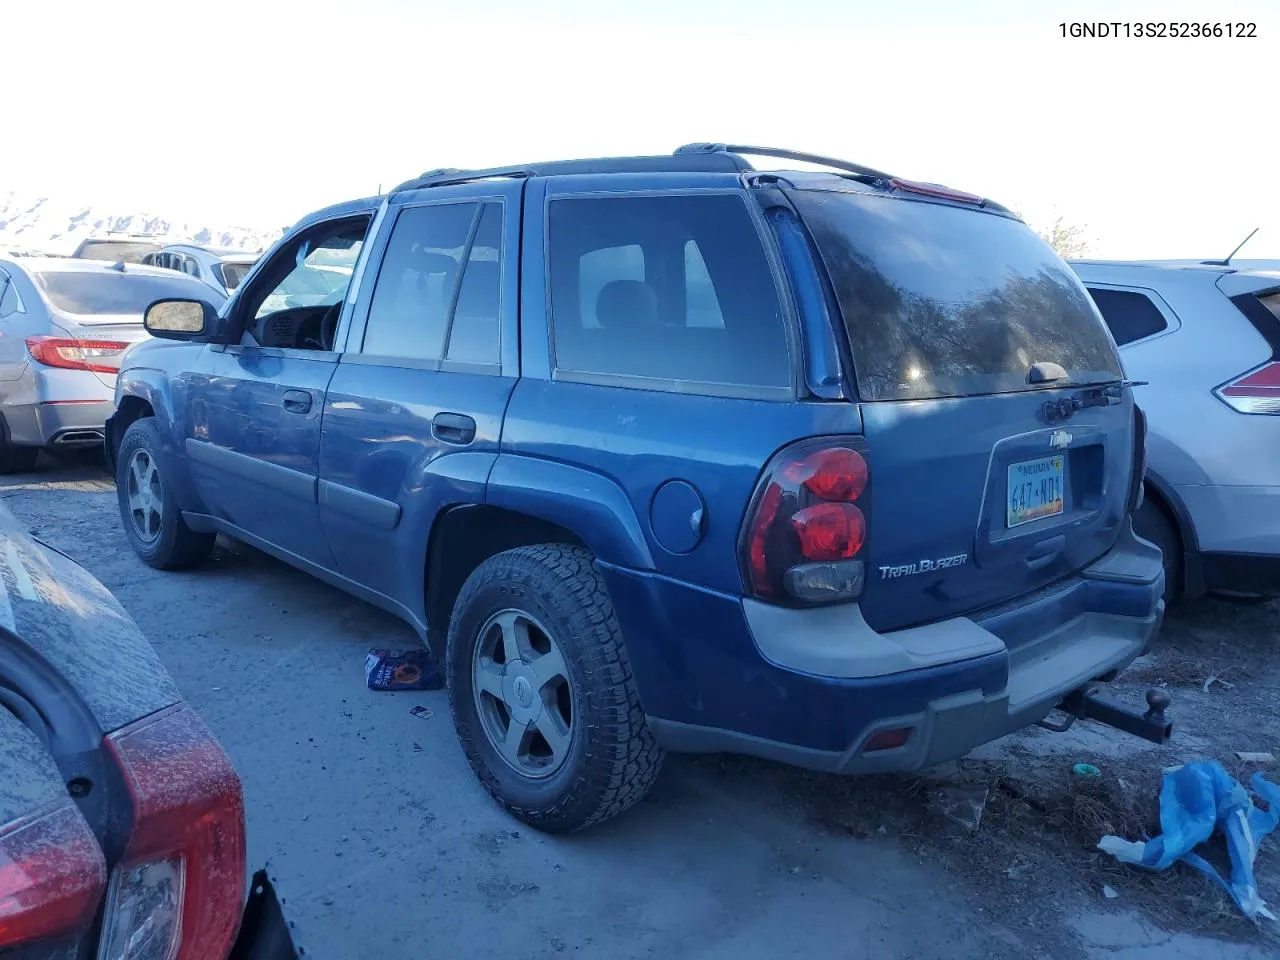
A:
{"points": [[1045, 552]]}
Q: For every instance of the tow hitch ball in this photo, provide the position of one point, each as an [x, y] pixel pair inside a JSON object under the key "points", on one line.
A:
{"points": [[1087, 704]]}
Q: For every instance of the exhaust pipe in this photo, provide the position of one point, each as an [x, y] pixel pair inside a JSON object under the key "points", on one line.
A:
{"points": [[1088, 704], [68, 437]]}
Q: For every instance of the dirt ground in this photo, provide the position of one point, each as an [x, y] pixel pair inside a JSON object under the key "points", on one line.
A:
{"points": [[384, 844]]}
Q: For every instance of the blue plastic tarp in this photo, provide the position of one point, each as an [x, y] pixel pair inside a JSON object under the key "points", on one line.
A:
{"points": [[1195, 800]]}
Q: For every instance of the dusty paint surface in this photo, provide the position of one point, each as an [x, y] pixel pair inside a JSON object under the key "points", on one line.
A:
{"points": [[28, 778], [76, 624], [384, 845]]}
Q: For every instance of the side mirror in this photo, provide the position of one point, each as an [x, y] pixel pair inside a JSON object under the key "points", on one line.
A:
{"points": [[178, 319]]}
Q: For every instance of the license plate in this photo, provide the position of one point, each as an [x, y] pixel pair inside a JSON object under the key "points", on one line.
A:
{"points": [[1035, 490]]}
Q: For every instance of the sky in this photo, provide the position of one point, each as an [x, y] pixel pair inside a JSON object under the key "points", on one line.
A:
{"points": [[255, 113]]}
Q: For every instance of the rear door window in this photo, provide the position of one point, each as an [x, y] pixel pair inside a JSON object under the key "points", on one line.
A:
{"points": [[943, 301], [665, 291], [1129, 315], [474, 334]]}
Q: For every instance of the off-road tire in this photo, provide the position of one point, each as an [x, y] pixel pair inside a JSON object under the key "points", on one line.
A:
{"points": [[177, 546], [613, 759]]}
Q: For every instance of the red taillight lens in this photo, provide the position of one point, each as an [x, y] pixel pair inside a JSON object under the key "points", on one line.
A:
{"points": [[836, 473], [829, 531], [52, 875], [101, 356], [179, 889], [1256, 392], [808, 524]]}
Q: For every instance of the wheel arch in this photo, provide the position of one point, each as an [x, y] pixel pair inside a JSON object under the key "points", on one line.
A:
{"points": [[463, 537], [1162, 495]]}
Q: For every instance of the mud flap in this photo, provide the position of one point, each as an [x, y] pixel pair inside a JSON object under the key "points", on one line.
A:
{"points": [[264, 932]]}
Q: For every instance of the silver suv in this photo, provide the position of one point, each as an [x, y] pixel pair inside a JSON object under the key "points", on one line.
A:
{"points": [[1206, 337], [221, 269]]}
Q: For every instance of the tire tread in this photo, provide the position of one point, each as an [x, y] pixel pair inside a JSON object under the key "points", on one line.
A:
{"points": [[624, 760]]}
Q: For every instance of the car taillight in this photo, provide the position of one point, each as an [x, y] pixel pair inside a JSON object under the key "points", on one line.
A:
{"points": [[52, 875], [101, 356], [178, 891], [807, 524], [1139, 458], [1257, 391]]}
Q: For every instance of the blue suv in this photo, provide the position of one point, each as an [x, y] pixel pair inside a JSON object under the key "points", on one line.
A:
{"points": [[671, 453]]}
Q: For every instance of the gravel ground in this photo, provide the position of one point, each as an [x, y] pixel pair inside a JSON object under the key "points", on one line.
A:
{"points": [[374, 825]]}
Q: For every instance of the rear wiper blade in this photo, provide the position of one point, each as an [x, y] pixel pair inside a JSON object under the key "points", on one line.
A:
{"points": [[1091, 395]]}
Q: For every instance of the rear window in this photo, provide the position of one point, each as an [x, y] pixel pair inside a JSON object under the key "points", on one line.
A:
{"points": [[232, 274], [111, 292], [665, 290], [941, 301], [129, 251]]}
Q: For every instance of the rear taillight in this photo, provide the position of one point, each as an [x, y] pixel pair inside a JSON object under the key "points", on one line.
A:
{"points": [[1258, 391], [52, 875], [807, 524], [101, 356], [1139, 473], [178, 891]]}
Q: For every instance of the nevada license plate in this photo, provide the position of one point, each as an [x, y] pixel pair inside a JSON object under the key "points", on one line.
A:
{"points": [[1035, 490]]}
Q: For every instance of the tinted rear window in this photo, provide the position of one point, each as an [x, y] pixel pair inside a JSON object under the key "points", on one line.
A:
{"points": [[941, 301], [667, 290], [110, 292], [1130, 316]]}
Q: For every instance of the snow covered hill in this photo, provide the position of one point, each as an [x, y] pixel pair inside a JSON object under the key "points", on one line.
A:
{"points": [[52, 226]]}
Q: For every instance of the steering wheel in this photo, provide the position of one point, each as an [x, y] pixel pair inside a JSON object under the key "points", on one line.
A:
{"points": [[329, 326]]}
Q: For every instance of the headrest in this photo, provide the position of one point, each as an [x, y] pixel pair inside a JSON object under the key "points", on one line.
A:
{"points": [[627, 304]]}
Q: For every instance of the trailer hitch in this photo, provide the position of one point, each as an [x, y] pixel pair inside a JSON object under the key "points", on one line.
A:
{"points": [[1088, 704]]}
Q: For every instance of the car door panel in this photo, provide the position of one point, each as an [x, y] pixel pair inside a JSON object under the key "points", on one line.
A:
{"points": [[253, 460], [253, 413], [404, 437]]}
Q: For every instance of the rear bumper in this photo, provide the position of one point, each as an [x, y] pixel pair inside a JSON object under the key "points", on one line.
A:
{"points": [[812, 687], [55, 408]]}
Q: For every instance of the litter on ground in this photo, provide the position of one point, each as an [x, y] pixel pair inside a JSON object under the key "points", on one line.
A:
{"points": [[402, 670], [1195, 800]]}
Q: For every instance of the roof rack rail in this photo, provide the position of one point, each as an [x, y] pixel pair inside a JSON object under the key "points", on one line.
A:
{"points": [[782, 154], [448, 175], [705, 162]]}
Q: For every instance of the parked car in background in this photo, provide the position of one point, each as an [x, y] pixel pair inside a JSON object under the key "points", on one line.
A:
{"points": [[121, 818], [118, 247], [221, 269], [669, 453], [64, 325], [1206, 337]]}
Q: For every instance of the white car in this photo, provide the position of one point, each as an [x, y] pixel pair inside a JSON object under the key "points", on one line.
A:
{"points": [[1206, 337]]}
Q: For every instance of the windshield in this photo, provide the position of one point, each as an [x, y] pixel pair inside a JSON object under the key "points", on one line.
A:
{"points": [[232, 274], [941, 301], [113, 292], [130, 251]]}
